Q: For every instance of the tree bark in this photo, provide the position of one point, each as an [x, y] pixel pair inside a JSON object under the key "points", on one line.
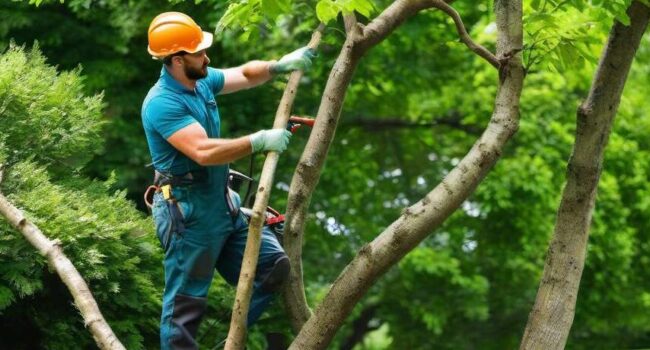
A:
{"points": [[550, 320], [417, 221], [237, 333], [300, 191], [359, 40], [83, 298]]}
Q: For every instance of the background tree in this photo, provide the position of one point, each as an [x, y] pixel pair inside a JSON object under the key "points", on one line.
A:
{"points": [[551, 318]]}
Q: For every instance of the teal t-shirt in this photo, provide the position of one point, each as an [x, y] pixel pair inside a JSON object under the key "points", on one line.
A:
{"points": [[169, 107]]}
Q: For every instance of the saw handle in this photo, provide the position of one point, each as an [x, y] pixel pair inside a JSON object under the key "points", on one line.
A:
{"points": [[296, 122]]}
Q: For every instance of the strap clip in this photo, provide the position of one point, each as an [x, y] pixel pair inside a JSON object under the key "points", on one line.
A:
{"points": [[166, 191]]}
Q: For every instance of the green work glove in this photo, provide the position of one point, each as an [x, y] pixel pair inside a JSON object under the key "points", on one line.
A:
{"points": [[270, 140], [297, 60]]}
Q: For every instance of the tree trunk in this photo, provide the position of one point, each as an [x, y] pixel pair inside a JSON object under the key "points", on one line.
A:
{"points": [[300, 191], [237, 333], [550, 320], [83, 298], [417, 221], [358, 41]]}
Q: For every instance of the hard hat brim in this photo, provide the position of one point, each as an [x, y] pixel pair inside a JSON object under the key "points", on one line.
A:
{"points": [[205, 43]]}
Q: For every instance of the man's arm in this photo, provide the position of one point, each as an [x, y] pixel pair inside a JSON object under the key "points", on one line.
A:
{"points": [[249, 75], [255, 73], [193, 141]]}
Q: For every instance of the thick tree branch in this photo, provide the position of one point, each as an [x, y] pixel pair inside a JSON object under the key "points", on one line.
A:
{"points": [[464, 36], [417, 221], [552, 315], [306, 177], [358, 40], [237, 333], [83, 298], [384, 24]]}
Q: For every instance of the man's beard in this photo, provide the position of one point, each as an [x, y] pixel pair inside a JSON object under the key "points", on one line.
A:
{"points": [[195, 73]]}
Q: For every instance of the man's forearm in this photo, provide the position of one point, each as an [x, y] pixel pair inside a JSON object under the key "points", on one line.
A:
{"points": [[257, 72], [222, 151]]}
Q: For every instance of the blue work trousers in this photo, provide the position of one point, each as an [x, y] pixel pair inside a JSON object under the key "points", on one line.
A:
{"points": [[212, 238]]}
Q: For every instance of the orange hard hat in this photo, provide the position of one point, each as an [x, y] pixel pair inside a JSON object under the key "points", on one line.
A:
{"points": [[171, 32]]}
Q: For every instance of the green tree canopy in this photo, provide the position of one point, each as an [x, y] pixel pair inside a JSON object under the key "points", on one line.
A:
{"points": [[415, 106]]}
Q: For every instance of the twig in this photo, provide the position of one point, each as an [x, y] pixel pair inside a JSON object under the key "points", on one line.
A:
{"points": [[350, 20], [464, 36]]}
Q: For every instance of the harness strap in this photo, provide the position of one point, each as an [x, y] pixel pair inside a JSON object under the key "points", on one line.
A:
{"points": [[192, 177], [148, 195]]}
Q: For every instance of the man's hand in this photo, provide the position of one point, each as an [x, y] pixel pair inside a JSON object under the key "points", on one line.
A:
{"points": [[297, 60], [270, 140]]}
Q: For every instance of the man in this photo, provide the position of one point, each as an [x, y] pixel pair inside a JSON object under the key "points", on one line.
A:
{"points": [[197, 218]]}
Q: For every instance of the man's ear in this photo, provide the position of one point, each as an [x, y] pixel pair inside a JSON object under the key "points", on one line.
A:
{"points": [[177, 60]]}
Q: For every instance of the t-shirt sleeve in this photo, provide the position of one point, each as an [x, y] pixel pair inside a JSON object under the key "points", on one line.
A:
{"points": [[166, 116], [215, 80]]}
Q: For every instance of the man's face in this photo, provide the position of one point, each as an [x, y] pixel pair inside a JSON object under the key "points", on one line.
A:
{"points": [[195, 65]]}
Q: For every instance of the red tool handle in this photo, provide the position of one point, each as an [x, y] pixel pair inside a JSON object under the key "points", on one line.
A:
{"points": [[302, 120]]}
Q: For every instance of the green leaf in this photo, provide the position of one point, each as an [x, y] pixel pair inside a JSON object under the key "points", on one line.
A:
{"points": [[535, 5], [6, 297], [271, 8], [236, 14], [623, 18], [326, 10], [364, 7], [245, 35]]}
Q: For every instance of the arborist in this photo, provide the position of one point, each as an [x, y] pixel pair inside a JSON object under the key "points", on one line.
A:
{"points": [[197, 217]]}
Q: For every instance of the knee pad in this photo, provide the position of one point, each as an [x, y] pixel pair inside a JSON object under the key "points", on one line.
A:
{"points": [[277, 276]]}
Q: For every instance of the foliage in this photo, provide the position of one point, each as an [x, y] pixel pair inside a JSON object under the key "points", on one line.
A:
{"points": [[248, 14], [48, 130], [46, 117], [107, 241], [473, 281]]}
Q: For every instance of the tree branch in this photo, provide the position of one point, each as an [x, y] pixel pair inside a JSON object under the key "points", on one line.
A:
{"points": [[358, 40], [550, 320], [237, 333], [384, 24], [83, 298], [419, 220], [464, 36], [350, 21]]}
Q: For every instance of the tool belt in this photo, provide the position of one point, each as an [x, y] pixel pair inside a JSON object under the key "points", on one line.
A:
{"points": [[164, 182], [189, 178]]}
